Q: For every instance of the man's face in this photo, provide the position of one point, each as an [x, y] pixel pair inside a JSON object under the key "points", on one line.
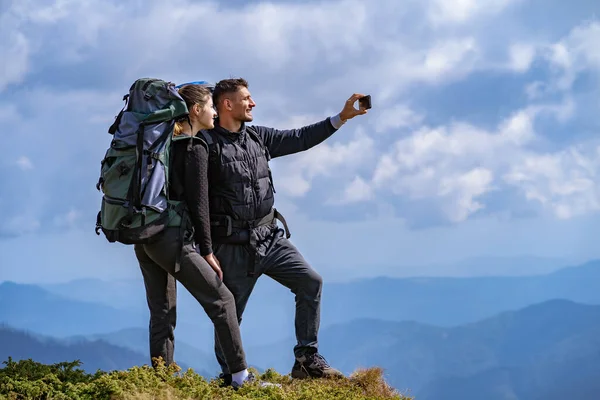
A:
{"points": [[241, 105]]}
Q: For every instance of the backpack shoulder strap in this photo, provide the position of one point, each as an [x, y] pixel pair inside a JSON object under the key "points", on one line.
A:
{"points": [[253, 133], [207, 137], [251, 129], [214, 152], [191, 139], [113, 128], [213, 144]]}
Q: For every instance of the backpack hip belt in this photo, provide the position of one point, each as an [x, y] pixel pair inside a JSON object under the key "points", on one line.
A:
{"points": [[228, 223]]}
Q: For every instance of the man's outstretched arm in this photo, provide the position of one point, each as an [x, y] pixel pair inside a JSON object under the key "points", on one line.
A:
{"points": [[290, 141]]}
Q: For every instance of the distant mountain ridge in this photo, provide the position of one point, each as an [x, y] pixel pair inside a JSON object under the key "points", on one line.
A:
{"points": [[544, 351], [270, 312], [185, 354], [31, 308], [528, 354], [94, 355], [517, 353]]}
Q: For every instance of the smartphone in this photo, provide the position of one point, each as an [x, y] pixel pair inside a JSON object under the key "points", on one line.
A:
{"points": [[365, 102]]}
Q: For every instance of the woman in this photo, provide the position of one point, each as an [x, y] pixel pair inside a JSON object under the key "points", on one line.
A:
{"points": [[199, 273]]}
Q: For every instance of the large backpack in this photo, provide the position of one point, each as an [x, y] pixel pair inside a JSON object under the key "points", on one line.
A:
{"points": [[134, 175]]}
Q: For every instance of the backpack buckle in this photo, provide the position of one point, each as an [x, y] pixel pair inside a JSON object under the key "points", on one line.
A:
{"points": [[217, 221]]}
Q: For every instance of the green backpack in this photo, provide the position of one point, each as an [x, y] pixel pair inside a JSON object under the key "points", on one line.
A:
{"points": [[134, 175]]}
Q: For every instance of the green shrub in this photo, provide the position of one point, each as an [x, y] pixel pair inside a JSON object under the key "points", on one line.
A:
{"points": [[27, 379]]}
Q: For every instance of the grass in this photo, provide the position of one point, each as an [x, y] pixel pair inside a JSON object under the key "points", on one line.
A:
{"points": [[27, 379]]}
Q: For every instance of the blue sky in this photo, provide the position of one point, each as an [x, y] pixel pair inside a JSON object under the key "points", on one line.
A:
{"points": [[482, 141]]}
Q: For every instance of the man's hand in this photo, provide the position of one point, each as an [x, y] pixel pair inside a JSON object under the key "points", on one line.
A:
{"points": [[349, 111], [214, 264]]}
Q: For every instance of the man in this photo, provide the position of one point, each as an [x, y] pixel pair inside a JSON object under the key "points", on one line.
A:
{"points": [[246, 239]]}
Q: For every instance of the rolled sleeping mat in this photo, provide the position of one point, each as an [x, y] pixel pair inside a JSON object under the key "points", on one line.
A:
{"points": [[209, 85]]}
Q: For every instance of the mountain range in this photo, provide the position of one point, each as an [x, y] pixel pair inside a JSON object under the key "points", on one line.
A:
{"points": [[547, 351], [94, 355], [269, 315], [531, 353], [493, 338]]}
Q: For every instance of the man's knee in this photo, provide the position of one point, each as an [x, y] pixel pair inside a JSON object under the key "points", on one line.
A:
{"points": [[312, 285], [317, 280]]}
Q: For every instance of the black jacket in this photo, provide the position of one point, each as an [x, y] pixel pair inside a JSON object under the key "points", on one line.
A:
{"points": [[240, 184]]}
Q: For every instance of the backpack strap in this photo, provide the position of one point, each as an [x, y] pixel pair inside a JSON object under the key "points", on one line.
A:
{"points": [[208, 138], [191, 139], [113, 128], [251, 129], [253, 133], [133, 195], [214, 148]]}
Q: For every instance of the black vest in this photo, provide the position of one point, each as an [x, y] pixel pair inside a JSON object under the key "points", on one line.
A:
{"points": [[240, 181]]}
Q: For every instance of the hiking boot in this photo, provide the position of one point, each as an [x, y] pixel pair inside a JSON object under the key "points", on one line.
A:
{"points": [[314, 366], [249, 379]]}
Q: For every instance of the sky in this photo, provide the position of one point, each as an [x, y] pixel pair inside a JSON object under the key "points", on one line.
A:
{"points": [[482, 140]]}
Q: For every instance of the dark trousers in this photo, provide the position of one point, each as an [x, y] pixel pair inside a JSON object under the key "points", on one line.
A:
{"points": [[278, 258], [157, 262]]}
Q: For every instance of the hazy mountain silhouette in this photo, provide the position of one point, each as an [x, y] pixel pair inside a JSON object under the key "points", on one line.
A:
{"points": [[439, 301], [532, 353], [94, 355]]}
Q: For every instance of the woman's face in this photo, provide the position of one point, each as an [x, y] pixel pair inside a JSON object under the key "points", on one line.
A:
{"points": [[206, 115]]}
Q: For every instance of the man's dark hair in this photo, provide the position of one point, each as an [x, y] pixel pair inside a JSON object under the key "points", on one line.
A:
{"points": [[227, 86]]}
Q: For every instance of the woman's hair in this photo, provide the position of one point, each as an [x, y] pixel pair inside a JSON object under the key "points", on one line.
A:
{"points": [[191, 94]]}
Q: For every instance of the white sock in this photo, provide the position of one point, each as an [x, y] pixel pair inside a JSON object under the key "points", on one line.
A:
{"points": [[239, 377]]}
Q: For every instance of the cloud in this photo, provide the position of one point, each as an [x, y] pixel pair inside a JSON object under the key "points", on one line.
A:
{"points": [[576, 53], [536, 90], [82, 56], [312, 40], [14, 51], [558, 57], [413, 158], [67, 220], [8, 112], [445, 57], [22, 224], [358, 190], [88, 33], [564, 182], [521, 56], [325, 160], [340, 251], [395, 66], [388, 246], [464, 189], [24, 163], [461, 11], [441, 163], [64, 256], [398, 116], [63, 144], [456, 163]]}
